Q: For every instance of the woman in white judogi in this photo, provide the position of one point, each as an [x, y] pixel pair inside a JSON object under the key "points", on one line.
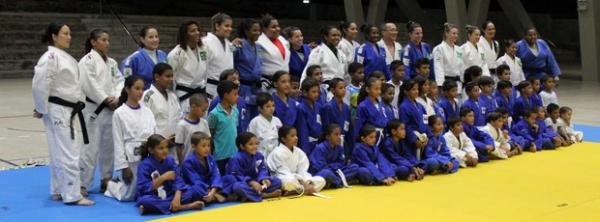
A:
{"points": [[101, 83], [132, 123], [220, 51], [489, 46], [514, 63], [328, 57], [189, 62], [290, 164], [348, 44], [56, 78], [473, 52], [163, 103], [276, 50], [447, 58]]}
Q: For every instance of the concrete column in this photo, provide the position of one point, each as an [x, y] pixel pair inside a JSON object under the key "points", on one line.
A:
{"points": [[589, 39], [456, 13], [354, 11], [478, 11], [517, 16], [376, 12], [414, 12]]}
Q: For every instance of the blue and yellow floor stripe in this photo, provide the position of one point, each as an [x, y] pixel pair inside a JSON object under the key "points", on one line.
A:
{"points": [[559, 185]]}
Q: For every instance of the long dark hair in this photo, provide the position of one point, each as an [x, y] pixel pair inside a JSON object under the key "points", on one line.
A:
{"points": [[345, 25], [152, 141], [182, 37], [406, 86], [129, 81], [94, 35], [52, 29], [362, 94]]}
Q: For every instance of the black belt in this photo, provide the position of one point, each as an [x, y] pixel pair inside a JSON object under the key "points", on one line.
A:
{"points": [[455, 78], [77, 108], [212, 81], [533, 69], [99, 108], [250, 83], [190, 91]]}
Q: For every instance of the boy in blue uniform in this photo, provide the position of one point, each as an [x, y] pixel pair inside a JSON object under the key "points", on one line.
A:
{"points": [[248, 166]]}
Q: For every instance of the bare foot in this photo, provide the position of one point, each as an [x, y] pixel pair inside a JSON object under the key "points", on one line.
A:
{"points": [[197, 205], [84, 192], [85, 202], [220, 198], [411, 177], [56, 197], [273, 194]]}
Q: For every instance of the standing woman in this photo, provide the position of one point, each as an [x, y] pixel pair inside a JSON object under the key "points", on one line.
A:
{"points": [[514, 63], [370, 54], [188, 60], [276, 54], [538, 60], [247, 61], [327, 56], [473, 52], [348, 44], [414, 50], [142, 61], [57, 97], [101, 82], [489, 46], [299, 52], [447, 57], [220, 50]]}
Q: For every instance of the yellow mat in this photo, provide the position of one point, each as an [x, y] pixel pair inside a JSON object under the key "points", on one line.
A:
{"points": [[561, 185]]}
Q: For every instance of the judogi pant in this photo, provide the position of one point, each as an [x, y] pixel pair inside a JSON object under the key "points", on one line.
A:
{"points": [[242, 188], [154, 204], [120, 190], [63, 153], [351, 172], [100, 150]]}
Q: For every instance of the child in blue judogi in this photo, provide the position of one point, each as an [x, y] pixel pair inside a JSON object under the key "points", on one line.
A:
{"points": [[524, 102], [370, 110], [474, 103], [438, 150], [448, 102], [286, 108], [366, 154], [201, 173], [528, 128], [328, 161], [160, 188], [338, 112], [395, 148], [484, 144], [308, 122], [248, 166]]}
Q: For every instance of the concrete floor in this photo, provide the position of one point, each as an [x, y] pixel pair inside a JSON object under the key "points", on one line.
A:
{"points": [[22, 137]]}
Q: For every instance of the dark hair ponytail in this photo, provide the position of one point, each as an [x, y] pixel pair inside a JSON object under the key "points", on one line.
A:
{"points": [[345, 25], [152, 141], [406, 86], [362, 94], [144, 32], [411, 26], [52, 29], [243, 138], [129, 82], [94, 35]]}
